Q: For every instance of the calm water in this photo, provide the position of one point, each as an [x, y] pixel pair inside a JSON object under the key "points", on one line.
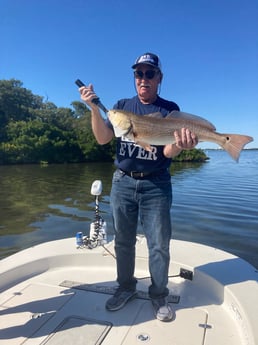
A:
{"points": [[213, 203]]}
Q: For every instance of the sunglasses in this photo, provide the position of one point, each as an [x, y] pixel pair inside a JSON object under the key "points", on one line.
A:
{"points": [[150, 74]]}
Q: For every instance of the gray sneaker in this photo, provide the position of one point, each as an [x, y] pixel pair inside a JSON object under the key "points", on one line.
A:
{"points": [[120, 298], [162, 309]]}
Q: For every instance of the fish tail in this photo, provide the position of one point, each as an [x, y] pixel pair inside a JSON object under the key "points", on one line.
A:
{"points": [[234, 144]]}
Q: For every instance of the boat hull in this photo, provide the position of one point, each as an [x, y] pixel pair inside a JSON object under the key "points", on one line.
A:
{"points": [[55, 293]]}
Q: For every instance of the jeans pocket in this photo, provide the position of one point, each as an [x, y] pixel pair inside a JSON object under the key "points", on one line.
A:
{"points": [[118, 175]]}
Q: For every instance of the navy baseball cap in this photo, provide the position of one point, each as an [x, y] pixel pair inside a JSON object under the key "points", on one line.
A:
{"points": [[148, 59]]}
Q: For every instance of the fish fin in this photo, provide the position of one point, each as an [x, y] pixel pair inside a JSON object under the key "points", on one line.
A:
{"points": [[144, 145], [186, 116], [234, 144], [157, 115]]}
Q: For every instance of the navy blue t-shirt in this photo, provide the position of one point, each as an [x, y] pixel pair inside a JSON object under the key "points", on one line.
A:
{"points": [[131, 157]]}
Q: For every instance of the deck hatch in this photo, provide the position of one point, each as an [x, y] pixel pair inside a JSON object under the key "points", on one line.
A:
{"points": [[28, 310], [85, 331]]}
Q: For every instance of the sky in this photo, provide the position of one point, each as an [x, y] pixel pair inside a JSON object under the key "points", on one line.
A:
{"points": [[208, 50]]}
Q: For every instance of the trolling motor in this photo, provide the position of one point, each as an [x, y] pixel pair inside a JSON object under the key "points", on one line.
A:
{"points": [[98, 228]]}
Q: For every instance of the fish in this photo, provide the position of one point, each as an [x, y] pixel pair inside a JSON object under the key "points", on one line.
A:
{"points": [[154, 129]]}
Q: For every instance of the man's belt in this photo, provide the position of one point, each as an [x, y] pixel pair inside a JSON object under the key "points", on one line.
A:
{"points": [[139, 175]]}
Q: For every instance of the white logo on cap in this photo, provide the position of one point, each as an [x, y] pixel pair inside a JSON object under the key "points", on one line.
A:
{"points": [[145, 58]]}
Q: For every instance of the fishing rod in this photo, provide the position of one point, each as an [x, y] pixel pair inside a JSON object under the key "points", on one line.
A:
{"points": [[96, 101]]}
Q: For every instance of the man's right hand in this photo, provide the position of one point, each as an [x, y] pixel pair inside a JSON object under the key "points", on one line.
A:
{"points": [[87, 95]]}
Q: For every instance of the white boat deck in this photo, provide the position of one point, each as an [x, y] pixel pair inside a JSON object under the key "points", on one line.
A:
{"points": [[55, 294]]}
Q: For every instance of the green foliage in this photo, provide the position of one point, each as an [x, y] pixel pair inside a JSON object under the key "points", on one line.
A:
{"points": [[33, 131], [194, 155], [16, 103]]}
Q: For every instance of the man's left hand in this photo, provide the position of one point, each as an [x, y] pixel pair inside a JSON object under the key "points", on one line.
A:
{"points": [[185, 140]]}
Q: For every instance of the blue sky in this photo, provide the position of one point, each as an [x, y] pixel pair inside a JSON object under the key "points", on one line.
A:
{"points": [[208, 50]]}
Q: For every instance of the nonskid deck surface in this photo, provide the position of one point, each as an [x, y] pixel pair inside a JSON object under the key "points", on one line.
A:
{"points": [[65, 303]]}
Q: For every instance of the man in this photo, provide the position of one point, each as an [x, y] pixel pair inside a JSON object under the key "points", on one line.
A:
{"points": [[141, 188]]}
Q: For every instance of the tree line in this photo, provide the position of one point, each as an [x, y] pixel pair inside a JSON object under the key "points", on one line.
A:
{"points": [[33, 130], [36, 131]]}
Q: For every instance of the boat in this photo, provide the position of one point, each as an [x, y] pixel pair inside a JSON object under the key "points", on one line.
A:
{"points": [[55, 293]]}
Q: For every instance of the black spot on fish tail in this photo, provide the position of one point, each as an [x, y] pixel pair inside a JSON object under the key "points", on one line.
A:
{"points": [[235, 143]]}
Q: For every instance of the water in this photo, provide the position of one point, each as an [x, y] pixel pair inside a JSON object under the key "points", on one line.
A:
{"points": [[214, 203]]}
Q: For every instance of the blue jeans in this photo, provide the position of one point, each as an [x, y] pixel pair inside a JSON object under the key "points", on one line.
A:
{"points": [[148, 200]]}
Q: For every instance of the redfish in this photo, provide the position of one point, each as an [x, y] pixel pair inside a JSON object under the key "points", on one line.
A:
{"points": [[153, 129]]}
